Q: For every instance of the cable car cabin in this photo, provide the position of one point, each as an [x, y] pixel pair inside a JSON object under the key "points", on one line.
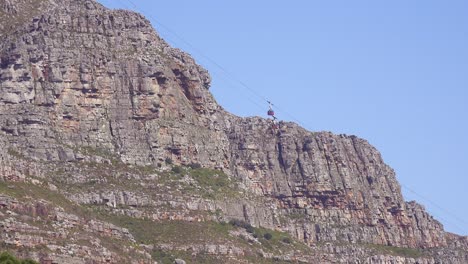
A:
{"points": [[271, 112]]}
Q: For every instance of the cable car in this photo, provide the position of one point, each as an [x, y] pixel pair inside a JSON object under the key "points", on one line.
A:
{"points": [[270, 110]]}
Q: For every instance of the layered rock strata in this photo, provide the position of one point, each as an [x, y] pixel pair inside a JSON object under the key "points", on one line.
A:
{"points": [[83, 84]]}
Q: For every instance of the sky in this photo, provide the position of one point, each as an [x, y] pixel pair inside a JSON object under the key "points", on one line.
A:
{"points": [[392, 72]]}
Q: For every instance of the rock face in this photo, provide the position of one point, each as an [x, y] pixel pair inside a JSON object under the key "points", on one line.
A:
{"points": [[339, 180], [84, 88]]}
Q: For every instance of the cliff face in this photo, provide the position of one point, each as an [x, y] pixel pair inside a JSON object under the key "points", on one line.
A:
{"points": [[96, 108], [79, 67], [338, 184]]}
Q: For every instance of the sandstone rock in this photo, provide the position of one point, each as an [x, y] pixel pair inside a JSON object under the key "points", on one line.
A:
{"points": [[81, 84]]}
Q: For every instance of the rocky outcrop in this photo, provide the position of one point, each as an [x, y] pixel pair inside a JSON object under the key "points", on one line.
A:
{"points": [[41, 225], [107, 81], [81, 84], [334, 179]]}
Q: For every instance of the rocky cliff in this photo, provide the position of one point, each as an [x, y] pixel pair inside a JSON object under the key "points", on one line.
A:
{"points": [[114, 150]]}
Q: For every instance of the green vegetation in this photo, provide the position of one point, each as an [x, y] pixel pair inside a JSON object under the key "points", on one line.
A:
{"points": [[186, 181], [270, 239], [7, 258], [242, 224], [239, 223], [162, 232], [195, 166], [24, 191], [182, 232], [209, 183], [211, 178], [146, 170], [101, 152], [396, 251], [169, 257], [263, 260], [28, 192], [163, 256], [15, 153], [277, 241], [198, 233], [177, 169], [214, 183], [267, 236]]}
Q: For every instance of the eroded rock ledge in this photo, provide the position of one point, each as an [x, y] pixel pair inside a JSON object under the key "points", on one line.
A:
{"points": [[84, 86]]}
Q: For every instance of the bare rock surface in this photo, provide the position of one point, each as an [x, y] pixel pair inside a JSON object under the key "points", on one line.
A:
{"points": [[99, 115]]}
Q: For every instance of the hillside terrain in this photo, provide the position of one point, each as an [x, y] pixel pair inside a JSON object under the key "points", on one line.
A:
{"points": [[113, 150]]}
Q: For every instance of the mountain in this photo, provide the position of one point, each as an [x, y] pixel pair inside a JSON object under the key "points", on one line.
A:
{"points": [[115, 151]]}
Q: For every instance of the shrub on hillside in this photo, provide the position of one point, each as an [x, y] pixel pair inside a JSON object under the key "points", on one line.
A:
{"points": [[195, 165], [7, 258], [177, 169], [268, 236]]}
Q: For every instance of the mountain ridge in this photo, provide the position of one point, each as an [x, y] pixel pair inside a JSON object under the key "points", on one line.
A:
{"points": [[85, 89]]}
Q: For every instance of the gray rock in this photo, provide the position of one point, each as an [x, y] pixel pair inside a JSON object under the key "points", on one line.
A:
{"points": [[179, 261], [81, 84]]}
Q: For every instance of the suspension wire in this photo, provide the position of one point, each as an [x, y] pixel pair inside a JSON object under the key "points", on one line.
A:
{"points": [[291, 116], [223, 69], [228, 73], [263, 98], [454, 216], [227, 81]]}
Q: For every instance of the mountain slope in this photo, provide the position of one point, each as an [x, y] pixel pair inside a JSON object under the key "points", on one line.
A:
{"points": [[108, 130]]}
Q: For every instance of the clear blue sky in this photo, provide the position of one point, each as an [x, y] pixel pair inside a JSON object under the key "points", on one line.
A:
{"points": [[392, 72]]}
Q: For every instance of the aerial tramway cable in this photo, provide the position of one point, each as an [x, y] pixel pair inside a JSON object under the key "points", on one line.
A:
{"points": [[263, 98], [217, 65]]}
